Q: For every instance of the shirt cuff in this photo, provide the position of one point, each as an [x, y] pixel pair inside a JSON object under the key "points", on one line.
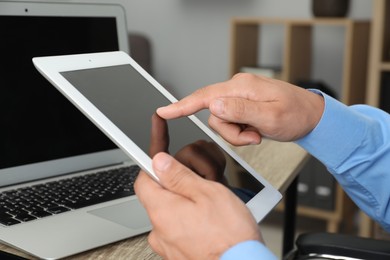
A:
{"points": [[339, 125], [248, 250]]}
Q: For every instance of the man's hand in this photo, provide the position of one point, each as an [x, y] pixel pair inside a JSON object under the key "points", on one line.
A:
{"points": [[248, 107], [192, 218]]}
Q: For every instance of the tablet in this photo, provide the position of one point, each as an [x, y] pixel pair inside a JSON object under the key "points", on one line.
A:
{"points": [[120, 98]]}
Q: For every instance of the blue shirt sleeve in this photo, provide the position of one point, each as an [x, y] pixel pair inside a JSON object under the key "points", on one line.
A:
{"points": [[248, 250], [354, 144]]}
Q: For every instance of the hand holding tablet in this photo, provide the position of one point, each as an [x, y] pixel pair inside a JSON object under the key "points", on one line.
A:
{"points": [[117, 95]]}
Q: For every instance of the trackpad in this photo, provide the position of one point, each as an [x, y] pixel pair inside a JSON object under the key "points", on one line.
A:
{"points": [[130, 214]]}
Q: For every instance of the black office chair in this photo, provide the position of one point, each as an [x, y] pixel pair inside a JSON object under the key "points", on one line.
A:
{"points": [[321, 246]]}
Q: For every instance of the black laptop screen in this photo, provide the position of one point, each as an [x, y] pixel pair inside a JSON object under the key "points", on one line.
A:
{"points": [[37, 122]]}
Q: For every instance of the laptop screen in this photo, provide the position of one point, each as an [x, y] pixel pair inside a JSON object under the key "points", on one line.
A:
{"points": [[38, 123]]}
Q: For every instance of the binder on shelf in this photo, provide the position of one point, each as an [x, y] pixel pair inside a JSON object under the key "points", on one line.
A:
{"points": [[316, 186], [305, 185], [385, 92], [324, 188]]}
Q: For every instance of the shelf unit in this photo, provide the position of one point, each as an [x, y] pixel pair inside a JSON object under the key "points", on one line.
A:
{"points": [[297, 50], [379, 61], [296, 65], [379, 66]]}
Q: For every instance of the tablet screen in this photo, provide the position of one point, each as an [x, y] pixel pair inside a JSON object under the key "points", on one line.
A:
{"points": [[129, 100]]}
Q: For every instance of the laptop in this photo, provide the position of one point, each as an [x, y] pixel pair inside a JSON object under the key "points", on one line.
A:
{"points": [[45, 140], [121, 98]]}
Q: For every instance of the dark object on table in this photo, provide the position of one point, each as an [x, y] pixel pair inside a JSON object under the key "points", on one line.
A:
{"points": [[8, 256], [316, 84], [330, 8]]}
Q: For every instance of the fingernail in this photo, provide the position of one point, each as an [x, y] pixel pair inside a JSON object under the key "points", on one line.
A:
{"points": [[162, 161], [158, 110], [254, 142], [217, 107]]}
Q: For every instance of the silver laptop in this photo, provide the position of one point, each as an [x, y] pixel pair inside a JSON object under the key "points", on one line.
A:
{"points": [[45, 140]]}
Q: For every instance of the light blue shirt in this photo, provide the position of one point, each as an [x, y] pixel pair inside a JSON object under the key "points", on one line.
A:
{"points": [[354, 144]]}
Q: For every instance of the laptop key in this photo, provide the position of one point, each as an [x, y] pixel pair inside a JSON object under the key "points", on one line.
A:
{"points": [[5, 215], [40, 213], [9, 221], [57, 210], [25, 217]]}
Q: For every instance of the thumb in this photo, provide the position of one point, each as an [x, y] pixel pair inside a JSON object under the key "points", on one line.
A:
{"points": [[175, 177], [236, 120]]}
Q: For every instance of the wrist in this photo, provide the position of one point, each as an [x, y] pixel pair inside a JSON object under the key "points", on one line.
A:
{"points": [[318, 107], [248, 250]]}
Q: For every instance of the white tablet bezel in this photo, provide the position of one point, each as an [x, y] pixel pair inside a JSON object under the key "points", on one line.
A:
{"points": [[52, 67]]}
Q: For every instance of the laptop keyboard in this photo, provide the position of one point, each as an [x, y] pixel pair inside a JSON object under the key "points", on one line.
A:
{"points": [[51, 198]]}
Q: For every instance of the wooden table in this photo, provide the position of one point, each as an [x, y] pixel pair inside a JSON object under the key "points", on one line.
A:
{"points": [[279, 163]]}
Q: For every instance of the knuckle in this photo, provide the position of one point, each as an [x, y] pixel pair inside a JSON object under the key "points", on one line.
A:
{"points": [[177, 179], [238, 109], [244, 76], [200, 92]]}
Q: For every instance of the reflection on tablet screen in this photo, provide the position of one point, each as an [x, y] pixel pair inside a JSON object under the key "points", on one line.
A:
{"points": [[130, 101]]}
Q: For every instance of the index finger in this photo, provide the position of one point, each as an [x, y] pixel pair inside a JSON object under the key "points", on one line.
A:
{"points": [[198, 100]]}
